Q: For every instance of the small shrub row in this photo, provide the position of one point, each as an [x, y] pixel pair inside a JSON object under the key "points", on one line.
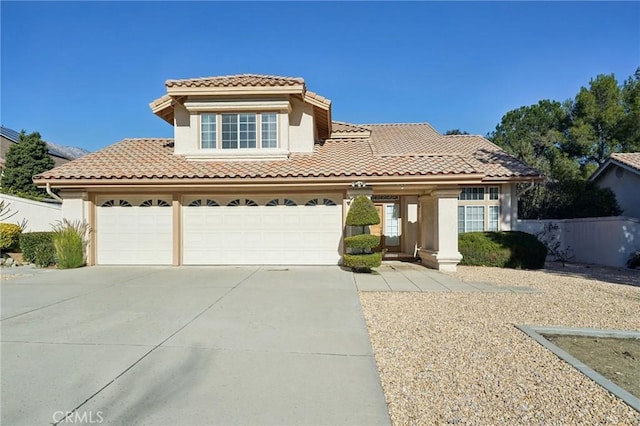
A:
{"points": [[511, 249], [37, 247], [9, 236]]}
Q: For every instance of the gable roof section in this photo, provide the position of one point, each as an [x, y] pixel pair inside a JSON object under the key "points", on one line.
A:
{"points": [[135, 159], [243, 84], [626, 160]]}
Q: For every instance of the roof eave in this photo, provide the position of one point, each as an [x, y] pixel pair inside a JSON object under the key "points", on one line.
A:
{"points": [[297, 89]]}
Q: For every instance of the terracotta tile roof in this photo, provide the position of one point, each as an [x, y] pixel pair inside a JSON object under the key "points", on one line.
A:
{"points": [[239, 80], [153, 158], [630, 159], [342, 127]]}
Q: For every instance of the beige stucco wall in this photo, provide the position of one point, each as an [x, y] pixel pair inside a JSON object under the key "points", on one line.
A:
{"points": [[410, 227], [508, 206], [301, 127], [295, 131], [185, 130], [626, 188]]}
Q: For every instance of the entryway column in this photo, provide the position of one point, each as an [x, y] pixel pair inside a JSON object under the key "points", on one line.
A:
{"points": [[439, 228]]}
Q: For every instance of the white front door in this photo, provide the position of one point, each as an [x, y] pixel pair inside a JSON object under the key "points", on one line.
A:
{"points": [[244, 230], [134, 231]]}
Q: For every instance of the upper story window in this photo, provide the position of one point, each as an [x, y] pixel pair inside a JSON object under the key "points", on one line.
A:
{"points": [[239, 131], [209, 130]]}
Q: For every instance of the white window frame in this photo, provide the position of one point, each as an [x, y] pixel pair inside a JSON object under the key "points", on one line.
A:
{"points": [[263, 135], [476, 197]]}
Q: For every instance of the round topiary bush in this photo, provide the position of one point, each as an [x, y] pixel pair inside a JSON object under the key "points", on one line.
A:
{"points": [[510, 249]]}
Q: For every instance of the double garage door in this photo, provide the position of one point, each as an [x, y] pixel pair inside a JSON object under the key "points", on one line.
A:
{"points": [[220, 230]]}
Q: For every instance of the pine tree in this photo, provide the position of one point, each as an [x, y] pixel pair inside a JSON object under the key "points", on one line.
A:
{"points": [[28, 157]]}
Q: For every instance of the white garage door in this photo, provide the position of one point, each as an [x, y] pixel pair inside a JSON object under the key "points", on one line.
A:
{"points": [[254, 231], [134, 231]]}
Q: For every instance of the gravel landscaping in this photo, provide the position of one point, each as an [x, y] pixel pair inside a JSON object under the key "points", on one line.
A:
{"points": [[456, 358]]}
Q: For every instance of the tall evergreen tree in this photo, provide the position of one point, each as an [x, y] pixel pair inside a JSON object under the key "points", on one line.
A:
{"points": [[25, 159]]}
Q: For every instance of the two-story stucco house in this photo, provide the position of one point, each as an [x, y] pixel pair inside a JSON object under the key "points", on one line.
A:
{"points": [[259, 173]]}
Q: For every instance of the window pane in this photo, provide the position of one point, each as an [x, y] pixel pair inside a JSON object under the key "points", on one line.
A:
{"points": [[269, 130], [208, 131], [460, 219], [494, 214], [229, 131], [472, 194], [494, 192], [474, 218], [392, 224], [247, 130]]}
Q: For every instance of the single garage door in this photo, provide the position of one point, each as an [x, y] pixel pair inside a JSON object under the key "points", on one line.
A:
{"points": [[261, 231], [134, 231]]}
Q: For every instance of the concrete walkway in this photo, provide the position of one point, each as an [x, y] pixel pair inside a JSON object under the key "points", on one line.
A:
{"points": [[404, 276], [187, 346]]}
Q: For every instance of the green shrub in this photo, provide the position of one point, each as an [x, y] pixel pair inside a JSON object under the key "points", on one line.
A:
{"points": [[9, 236], [69, 240], [30, 240], [362, 241], [44, 254], [362, 261], [512, 249], [362, 212]]}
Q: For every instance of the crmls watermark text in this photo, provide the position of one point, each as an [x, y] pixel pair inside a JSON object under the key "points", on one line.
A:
{"points": [[77, 417]]}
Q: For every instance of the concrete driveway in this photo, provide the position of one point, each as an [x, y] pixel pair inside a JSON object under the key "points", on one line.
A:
{"points": [[189, 346]]}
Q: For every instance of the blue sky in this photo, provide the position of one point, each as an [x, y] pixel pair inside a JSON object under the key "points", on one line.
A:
{"points": [[83, 73]]}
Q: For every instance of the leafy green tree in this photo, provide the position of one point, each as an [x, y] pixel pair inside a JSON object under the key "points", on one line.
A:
{"points": [[25, 159], [535, 134], [630, 127], [596, 116], [456, 132]]}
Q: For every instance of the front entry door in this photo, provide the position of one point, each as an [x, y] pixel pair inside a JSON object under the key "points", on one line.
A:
{"points": [[389, 227]]}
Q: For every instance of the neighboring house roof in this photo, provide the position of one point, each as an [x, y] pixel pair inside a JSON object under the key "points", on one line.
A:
{"points": [[14, 136], [626, 160], [392, 150]]}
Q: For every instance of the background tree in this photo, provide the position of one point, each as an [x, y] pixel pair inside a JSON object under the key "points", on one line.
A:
{"points": [[456, 132], [25, 159], [568, 141], [596, 115]]}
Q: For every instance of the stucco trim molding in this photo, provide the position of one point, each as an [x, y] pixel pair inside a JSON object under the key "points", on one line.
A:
{"points": [[439, 260]]}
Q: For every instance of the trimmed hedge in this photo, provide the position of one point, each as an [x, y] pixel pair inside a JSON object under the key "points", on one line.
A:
{"points": [[29, 241], [510, 249], [362, 241], [9, 236], [362, 261], [362, 212], [44, 255]]}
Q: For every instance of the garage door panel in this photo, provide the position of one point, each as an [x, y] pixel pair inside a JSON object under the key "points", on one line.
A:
{"points": [[262, 234], [134, 235]]}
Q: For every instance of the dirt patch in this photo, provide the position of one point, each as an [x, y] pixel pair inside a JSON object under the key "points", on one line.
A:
{"points": [[616, 359]]}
